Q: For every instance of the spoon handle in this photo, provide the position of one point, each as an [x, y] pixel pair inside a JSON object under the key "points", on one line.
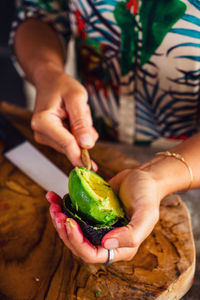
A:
{"points": [[85, 157]]}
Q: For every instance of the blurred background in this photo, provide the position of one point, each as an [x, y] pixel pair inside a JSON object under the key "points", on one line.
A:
{"points": [[11, 85]]}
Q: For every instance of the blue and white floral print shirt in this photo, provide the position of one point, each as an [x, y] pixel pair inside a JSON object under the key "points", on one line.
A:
{"points": [[139, 59]]}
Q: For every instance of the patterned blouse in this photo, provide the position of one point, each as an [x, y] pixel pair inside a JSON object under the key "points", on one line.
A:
{"points": [[139, 59]]}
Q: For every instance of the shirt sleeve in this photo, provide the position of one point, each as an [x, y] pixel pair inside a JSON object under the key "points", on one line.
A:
{"points": [[55, 13]]}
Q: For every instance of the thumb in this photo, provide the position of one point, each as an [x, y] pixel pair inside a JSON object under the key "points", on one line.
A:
{"points": [[132, 235], [115, 181], [80, 120]]}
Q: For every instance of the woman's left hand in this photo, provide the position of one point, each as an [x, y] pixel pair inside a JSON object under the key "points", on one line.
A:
{"points": [[140, 195]]}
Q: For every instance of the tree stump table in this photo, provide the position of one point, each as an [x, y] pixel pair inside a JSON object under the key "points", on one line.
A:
{"points": [[36, 265]]}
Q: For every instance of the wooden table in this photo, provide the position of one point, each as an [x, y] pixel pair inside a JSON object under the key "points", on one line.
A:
{"points": [[36, 265]]}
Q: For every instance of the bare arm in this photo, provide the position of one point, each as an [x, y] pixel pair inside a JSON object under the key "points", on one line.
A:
{"points": [[59, 96], [171, 173], [37, 46]]}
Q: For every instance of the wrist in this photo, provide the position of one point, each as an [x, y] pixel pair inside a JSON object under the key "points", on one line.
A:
{"points": [[170, 174]]}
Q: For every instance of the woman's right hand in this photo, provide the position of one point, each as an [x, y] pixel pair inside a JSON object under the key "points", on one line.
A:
{"points": [[60, 97]]}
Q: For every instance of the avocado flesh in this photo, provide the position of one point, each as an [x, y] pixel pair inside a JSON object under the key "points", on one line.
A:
{"points": [[93, 197]]}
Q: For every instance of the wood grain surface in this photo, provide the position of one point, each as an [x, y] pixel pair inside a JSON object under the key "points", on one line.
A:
{"points": [[34, 264]]}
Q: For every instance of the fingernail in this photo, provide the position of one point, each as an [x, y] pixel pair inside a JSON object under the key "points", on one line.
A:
{"points": [[58, 224], [68, 228], [86, 140], [111, 244], [69, 225]]}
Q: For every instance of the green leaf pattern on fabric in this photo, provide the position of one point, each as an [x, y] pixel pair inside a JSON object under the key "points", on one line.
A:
{"points": [[52, 6], [129, 36], [156, 17]]}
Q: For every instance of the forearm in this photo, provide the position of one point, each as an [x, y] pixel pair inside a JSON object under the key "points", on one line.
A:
{"points": [[37, 46], [172, 174]]}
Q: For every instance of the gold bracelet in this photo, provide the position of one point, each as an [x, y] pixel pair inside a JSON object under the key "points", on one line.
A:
{"points": [[179, 157]]}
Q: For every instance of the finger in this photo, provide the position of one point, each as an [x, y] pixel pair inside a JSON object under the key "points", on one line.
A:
{"points": [[82, 248], [45, 141], [90, 123], [53, 198], [85, 250], [80, 119], [124, 254], [91, 254], [59, 219], [49, 130], [116, 180], [95, 134], [89, 116], [55, 206], [54, 209], [94, 166], [59, 224], [132, 235]]}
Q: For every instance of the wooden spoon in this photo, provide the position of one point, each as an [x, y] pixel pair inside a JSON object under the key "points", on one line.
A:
{"points": [[85, 157]]}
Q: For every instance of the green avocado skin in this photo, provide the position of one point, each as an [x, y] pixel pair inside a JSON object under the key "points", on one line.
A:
{"points": [[90, 208]]}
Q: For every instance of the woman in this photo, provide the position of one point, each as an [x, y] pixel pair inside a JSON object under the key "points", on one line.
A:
{"points": [[139, 64]]}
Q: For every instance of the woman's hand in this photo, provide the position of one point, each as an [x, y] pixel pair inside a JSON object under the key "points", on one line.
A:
{"points": [[140, 195], [60, 98]]}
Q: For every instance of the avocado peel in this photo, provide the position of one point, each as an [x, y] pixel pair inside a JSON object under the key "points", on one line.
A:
{"points": [[94, 233]]}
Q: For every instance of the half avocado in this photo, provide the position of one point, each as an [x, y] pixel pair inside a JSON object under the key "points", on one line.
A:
{"points": [[93, 204]]}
